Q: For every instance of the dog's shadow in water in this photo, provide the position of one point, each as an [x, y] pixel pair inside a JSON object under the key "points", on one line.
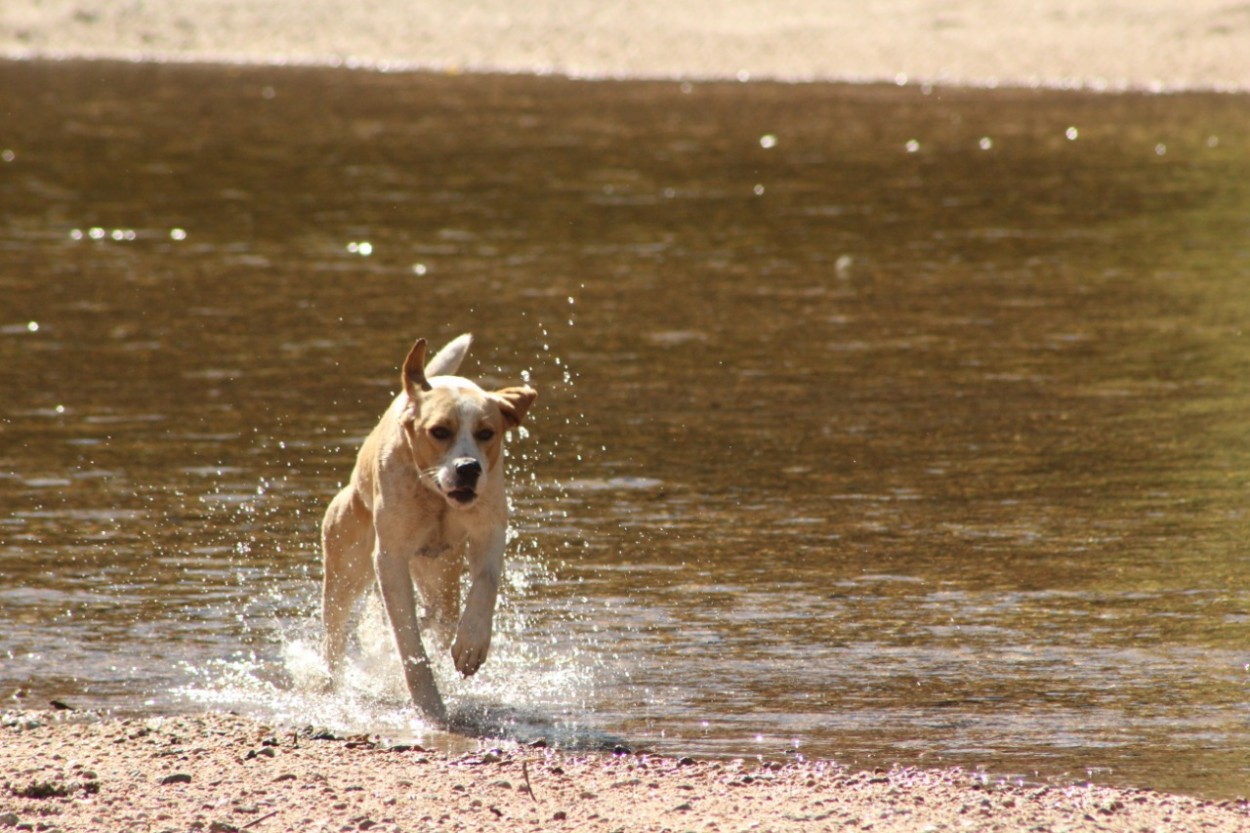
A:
{"points": [[502, 722]]}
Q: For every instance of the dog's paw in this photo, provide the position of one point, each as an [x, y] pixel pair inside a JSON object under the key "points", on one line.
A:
{"points": [[469, 651], [322, 684]]}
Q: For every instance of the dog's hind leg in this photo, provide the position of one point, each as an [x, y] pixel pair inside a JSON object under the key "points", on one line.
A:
{"points": [[347, 547]]}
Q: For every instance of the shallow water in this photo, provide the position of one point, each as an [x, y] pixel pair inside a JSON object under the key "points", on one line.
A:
{"points": [[880, 424]]}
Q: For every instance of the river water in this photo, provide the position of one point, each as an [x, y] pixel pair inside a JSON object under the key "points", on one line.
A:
{"points": [[883, 424]]}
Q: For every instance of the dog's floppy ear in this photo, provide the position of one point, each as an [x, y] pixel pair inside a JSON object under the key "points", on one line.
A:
{"points": [[447, 361], [514, 403], [414, 370]]}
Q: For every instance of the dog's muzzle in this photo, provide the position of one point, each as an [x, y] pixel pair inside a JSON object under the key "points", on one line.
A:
{"points": [[467, 470]]}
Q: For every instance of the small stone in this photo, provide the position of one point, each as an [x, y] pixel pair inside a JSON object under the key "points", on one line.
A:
{"points": [[559, 815], [222, 827], [9, 819], [176, 778]]}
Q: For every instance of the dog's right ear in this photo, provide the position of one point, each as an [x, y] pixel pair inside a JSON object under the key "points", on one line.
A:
{"points": [[414, 371]]}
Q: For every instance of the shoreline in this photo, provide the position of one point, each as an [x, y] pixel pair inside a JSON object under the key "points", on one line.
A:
{"points": [[226, 62], [68, 770], [1096, 86]]}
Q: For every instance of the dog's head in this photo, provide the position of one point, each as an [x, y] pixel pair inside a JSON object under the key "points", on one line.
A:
{"points": [[455, 429]]}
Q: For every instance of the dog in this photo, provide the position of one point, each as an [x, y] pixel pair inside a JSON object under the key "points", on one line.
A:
{"points": [[427, 496]]}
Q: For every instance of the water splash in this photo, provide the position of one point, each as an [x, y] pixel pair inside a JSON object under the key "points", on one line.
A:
{"points": [[529, 688]]}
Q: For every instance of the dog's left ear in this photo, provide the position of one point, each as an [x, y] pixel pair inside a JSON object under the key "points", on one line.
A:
{"points": [[514, 403], [414, 371]]}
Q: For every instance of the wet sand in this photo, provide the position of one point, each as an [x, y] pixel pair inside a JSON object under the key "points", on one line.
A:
{"points": [[1149, 44], [222, 773]]}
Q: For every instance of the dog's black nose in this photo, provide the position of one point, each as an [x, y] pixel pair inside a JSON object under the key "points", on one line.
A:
{"points": [[468, 470]]}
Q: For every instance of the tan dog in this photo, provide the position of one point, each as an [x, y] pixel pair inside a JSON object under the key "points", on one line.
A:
{"points": [[426, 496]]}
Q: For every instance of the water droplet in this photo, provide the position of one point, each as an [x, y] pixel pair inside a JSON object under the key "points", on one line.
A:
{"points": [[76, 234], [177, 234], [1161, 149], [986, 143], [97, 233], [1071, 133], [363, 248], [759, 190], [1213, 141], [912, 146], [33, 326], [7, 155], [419, 269], [743, 76], [901, 79], [768, 140]]}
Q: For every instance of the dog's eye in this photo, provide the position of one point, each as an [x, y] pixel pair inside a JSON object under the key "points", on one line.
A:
{"points": [[441, 433], [485, 435]]}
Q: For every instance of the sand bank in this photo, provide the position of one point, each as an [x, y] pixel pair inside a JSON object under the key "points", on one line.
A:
{"points": [[1150, 44]]}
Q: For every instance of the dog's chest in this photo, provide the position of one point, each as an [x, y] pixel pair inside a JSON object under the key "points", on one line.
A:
{"points": [[433, 550], [443, 535]]}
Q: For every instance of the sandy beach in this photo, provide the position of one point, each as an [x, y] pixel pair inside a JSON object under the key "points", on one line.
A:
{"points": [[1146, 44], [220, 773]]}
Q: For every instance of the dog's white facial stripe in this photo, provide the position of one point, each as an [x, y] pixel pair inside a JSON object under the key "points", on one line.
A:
{"points": [[465, 447]]}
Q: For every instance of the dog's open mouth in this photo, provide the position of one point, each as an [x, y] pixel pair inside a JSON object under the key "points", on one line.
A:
{"points": [[462, 495]]}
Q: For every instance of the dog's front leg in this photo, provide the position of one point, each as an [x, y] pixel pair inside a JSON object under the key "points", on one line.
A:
{"points": [[397, 597], [473, 634]]}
